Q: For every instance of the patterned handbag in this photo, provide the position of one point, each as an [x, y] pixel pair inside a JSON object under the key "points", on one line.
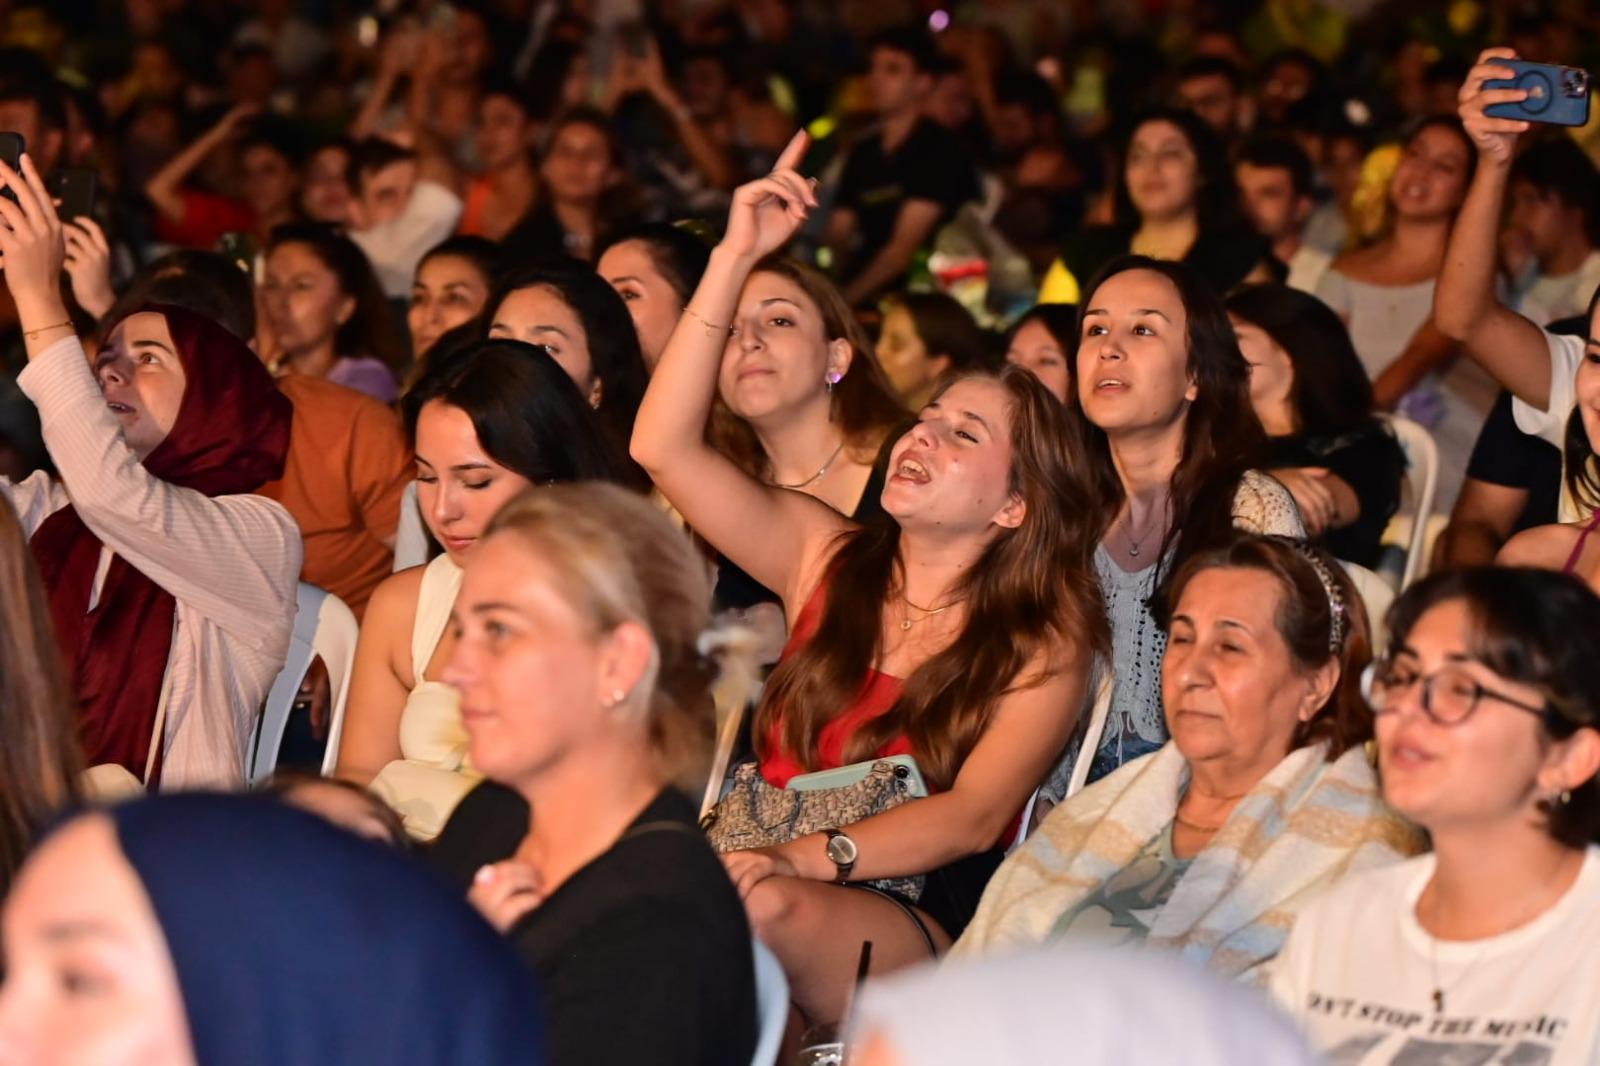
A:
{"points": [[756, 815]]}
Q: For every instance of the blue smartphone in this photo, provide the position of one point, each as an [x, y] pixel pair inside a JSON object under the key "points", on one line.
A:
{"points": [[1558, 96]]}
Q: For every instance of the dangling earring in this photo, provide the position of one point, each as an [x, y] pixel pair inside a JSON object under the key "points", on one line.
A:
{"points": [[833, 378]]}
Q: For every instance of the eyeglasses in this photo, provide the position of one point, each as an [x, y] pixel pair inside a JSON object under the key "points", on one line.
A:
{"points": [[1449, 696]]}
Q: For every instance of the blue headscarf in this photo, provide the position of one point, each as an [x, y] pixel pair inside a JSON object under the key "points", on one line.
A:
{"points": [[295, 942]]}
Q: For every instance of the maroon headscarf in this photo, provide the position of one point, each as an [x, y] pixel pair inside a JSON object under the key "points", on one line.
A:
{"points": [[231, 436]]}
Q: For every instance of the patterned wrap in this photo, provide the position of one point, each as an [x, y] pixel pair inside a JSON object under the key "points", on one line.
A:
{"points": [[1305, 824]]}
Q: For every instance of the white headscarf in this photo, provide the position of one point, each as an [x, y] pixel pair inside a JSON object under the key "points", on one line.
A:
{"points": [[1068, 1002]]}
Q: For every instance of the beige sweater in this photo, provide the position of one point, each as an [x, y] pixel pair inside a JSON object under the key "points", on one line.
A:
{"points": [[231, 562]]}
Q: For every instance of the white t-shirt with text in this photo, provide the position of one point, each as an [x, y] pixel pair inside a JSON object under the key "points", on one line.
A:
{"points": [[1359, 972]]}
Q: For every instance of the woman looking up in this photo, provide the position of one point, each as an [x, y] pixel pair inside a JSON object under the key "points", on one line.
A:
{"points": [[1162, 421], [152, 523], [958, 629]]}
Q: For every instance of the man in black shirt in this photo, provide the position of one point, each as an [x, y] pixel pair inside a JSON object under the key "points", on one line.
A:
{"points": [[900, 185], [1513, 483]]}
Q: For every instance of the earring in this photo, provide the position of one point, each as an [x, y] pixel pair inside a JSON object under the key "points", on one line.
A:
{"points": [[833, 378], [617, 696], [1565, 797]]}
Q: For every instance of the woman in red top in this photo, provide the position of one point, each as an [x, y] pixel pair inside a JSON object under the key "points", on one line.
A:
{"points": [[961, 631]]}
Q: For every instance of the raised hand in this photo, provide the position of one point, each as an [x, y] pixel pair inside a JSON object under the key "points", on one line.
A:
{"points": [[88, 264], [31, 246], [767, 212], [1496, 138]]}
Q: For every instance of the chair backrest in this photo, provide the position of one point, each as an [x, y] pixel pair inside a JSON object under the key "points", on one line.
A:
{"points": [[411, 545], [323, 628], [1422, 485], [1377, 594], [772, 1005]]}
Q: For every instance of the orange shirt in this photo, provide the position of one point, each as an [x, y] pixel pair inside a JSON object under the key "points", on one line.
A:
{"points": [[347, 467]]}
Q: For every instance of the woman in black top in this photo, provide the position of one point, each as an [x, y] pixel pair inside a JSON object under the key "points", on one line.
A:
{"points": [[1176, 200], [585, 701], [1314, 399]]}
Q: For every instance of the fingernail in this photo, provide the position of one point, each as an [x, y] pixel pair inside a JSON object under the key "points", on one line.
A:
{"points": [[484, 875]]}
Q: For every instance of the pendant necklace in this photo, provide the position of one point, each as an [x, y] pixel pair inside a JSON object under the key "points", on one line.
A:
{"points": [[814, 478]]}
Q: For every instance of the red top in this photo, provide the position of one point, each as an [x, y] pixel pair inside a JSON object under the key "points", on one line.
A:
{"points": [[877, 694], [206, 218]]}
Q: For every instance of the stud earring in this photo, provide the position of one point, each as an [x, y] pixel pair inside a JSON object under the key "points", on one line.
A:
{"points": [[833, 378], [617, 696]]}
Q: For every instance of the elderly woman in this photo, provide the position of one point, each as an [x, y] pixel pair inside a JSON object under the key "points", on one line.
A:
{"points": [[1264, 795], [1489, 738], [172, 587]]}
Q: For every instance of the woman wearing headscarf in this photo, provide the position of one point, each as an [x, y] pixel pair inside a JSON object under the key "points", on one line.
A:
{"points": [[172, 592], [201, 929]]}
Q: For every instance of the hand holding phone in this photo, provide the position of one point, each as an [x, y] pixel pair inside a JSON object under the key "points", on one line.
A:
{"points": [[11, 148], [1556, 95]]}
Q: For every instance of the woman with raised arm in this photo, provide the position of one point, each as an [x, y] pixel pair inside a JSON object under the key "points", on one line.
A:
{"points": [[172, 586], [958, 629]]}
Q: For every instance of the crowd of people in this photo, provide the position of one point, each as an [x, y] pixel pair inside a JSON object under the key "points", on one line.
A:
{"points": [[1095, 504]]}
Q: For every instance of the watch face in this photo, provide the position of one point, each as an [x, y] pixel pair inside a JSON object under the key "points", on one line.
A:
{"points": [[841, 850]]}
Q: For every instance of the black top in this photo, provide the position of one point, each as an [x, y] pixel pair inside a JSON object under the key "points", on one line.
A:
{"points": [[737, 589], [1372, 463], [1223, 256], [1504, 455], [644, 954], [929, 164]]}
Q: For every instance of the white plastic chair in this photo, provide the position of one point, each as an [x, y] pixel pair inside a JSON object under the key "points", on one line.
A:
{"points": [[323, 628], [1376, 593], [1410, 526], [772, 1005], [411, 544]]}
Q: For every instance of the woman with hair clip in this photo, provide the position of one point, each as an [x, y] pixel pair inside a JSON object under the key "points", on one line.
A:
{"points": [[1263, 797], [172, 586], [486, 423], [1324, 441], [323, 313], [1161, 418], [957, 629], [563, 306], [1488, 728], [1571, 546], [39, 762], [587, 702]]}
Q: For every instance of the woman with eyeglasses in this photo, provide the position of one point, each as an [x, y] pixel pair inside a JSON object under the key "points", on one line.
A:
{"points": [[1483, 951]]}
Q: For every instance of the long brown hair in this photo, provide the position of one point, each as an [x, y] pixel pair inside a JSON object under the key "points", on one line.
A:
{"points": [[1306, 619], [40, 764], [1032, 587], [863, 404], [1222, 437]]}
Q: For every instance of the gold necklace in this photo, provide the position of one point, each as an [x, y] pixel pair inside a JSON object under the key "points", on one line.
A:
{"points": [[927, 612], [814, 477]]}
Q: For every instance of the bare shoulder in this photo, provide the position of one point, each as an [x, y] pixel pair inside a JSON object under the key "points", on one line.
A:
{"points": [[393, 607], [1543, 547]]}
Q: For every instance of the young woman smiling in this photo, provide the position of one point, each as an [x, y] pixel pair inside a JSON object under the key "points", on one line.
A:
{"points": [[958, 628]]}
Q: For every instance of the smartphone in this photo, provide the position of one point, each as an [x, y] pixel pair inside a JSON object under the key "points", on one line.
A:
{"points": [[1558, 96], [11, 149], [905, 768], [75, 188]]}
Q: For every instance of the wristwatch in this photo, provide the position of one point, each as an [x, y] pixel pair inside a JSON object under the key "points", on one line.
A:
{"points": [[841, 852]]}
